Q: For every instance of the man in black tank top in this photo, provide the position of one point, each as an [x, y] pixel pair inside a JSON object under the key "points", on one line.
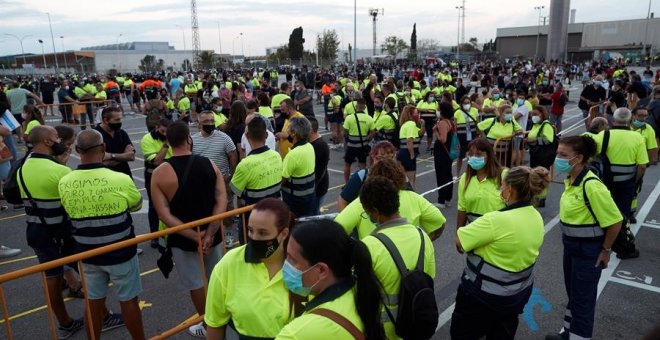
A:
{"points": [[186, 188]]}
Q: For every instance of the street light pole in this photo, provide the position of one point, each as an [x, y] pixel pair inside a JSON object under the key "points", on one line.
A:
{"points": [[242, 50], [64, 52], [458, 32], [57, 66], [355, 37], [219, 40], [183, 34], [41, 42], [117, 51], [538, 33], [20, 40]]}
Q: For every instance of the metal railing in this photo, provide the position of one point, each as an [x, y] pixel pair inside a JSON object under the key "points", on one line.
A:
{"points": [[78, 258]]}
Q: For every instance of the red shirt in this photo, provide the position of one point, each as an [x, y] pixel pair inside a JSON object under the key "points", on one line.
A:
{"points": [[556, 108]]}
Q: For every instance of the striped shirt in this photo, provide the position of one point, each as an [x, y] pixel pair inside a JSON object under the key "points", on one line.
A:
{"points": [[215, 147]]}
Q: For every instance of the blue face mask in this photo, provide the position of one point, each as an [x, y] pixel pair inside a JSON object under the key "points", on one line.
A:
{"points": [[520, 101], [293, 280], [508, 117], [476, 163], [563, 165], [638, 123], [496, 96]]}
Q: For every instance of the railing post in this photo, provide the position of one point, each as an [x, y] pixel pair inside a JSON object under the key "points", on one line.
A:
{"points": [[5, 314], [51, 318], [89, 323]]}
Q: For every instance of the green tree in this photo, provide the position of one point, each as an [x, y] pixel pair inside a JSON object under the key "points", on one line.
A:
{"points": [[412, 55], [279, 56], [206, 59], [150, 64], [350, 53], [296, 42], [327, 45], [474, 42], [393, 45]]}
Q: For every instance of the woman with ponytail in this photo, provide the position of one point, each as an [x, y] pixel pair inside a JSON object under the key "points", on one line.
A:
{"points": [[246, 291], [325, 262]]}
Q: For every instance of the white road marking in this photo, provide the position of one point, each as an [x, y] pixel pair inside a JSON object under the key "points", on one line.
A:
{"points": [[606, 275], [635, 284]]}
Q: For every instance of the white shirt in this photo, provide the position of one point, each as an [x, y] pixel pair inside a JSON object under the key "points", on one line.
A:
{"points": [[270, 143], [524, 111]]}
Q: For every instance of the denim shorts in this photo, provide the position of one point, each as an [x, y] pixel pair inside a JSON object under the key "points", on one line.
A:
{"points": [[124, 276]]}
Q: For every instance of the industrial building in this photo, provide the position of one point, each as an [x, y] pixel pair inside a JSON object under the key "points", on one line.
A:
{"points": [[630, 39]]}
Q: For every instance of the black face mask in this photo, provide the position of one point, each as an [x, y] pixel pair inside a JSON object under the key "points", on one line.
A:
{"points": [[263, 248], [208, 128], [58, 149], [160, 136], [114, 126]]}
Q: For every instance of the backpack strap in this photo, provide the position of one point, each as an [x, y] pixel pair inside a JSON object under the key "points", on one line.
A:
{"points": [[490, 127], [606, 143], [586, 198], [341, 321], [396, 255], [29, 197], [357, 121]]}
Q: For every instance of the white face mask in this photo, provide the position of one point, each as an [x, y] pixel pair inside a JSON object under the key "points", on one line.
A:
{"points": [[466, 107], [536, 119]]}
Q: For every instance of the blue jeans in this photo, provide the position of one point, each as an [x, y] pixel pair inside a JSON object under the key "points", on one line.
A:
{"points": [[11, 144], [581, 280]]}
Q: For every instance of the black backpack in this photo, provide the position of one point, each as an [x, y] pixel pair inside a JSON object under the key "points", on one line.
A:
{"points": [[397, 128], [600, 164], [417, 315], [10, 188]]}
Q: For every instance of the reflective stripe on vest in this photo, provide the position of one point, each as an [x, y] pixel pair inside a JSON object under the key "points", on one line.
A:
{"points": [[272, 190], [354, 141], [403, 141], [497, 281], [622, 173], [102, 228], [300, 186], [582, 230], [51, 210]]}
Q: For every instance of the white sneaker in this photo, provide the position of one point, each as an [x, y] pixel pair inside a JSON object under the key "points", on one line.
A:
{"points": [[8, 252], [197, 330]]}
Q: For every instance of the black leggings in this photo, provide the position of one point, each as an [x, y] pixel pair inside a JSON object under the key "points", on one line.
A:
{"points": [[443, 174]]}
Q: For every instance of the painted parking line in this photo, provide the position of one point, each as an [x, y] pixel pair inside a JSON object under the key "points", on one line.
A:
{"points": [[635, 284], [40, 308], [11, 217], [607, 273], [18, 260]]}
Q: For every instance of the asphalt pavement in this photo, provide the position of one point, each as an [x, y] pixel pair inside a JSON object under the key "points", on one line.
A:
{"points": [[628, 296]]}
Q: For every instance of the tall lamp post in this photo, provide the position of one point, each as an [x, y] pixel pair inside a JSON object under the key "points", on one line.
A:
{"points": [[219, 39], [538, 33], [64, 52], [117, 51], [41, 42], [242, 50], [458, 32], [183, 34], [52, 39], [20, 40]]}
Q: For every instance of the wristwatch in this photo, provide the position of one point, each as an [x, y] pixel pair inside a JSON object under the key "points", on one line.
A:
{"points": [[112, 156], [607, 250]]}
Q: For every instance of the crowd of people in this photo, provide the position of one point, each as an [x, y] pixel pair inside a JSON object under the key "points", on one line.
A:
{"points": [[258, 143]]}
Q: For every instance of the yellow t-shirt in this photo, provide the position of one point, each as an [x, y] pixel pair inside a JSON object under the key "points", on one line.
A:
{"points": [[243, 293]]}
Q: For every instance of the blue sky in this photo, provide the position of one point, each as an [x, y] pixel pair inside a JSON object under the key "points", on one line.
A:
{"points": [[267, 23]]}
